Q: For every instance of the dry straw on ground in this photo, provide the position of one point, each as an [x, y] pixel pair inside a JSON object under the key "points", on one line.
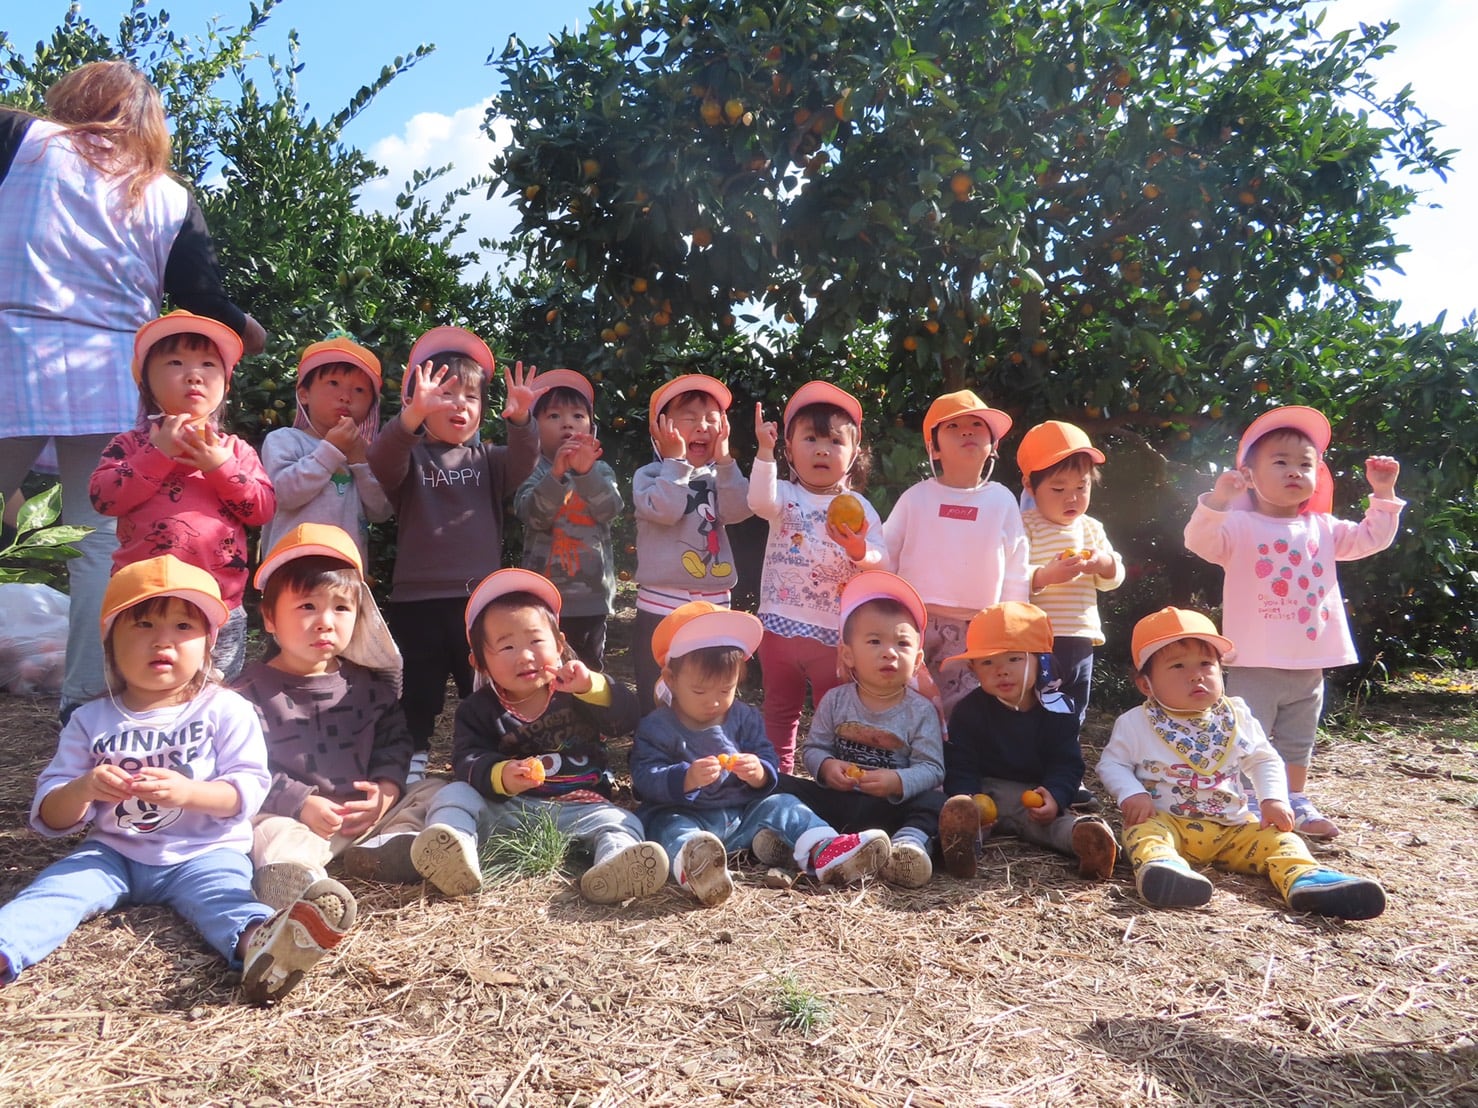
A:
{"points": [[1026, 986]]}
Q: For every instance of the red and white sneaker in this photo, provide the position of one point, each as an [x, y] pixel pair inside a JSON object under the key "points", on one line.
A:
{"points": [[848, 858], [290, 943]]}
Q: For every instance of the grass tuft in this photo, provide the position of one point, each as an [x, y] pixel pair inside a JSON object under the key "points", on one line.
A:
{"points": [[536, 848], [800, 1008]]}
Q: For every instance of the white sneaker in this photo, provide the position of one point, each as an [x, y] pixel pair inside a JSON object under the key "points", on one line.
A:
{"points": [[703, 869], [287, 945], [637, 870], [908, 865], [279, 885], [448, 859]]}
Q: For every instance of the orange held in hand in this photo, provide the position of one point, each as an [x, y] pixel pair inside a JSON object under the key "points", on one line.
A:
{"points": [[987, 807], [726, 761], [1070, 554], [534, 770], [854, 771], [1033, 799], [846, 511]]}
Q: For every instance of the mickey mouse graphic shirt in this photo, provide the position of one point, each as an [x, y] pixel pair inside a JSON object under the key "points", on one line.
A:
{"points": [[1281, 604], [214, 737]]}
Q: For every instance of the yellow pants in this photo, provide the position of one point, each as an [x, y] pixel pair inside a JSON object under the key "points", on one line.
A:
{"points": [[1241, 848]]}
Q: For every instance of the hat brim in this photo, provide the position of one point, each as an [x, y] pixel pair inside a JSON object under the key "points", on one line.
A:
{"points": [[212, 607], [689, 382], [877, 584], [724, 627], [565, 379], [998, 422], [1293, 417], [455, 340], [505, 581], [287, 550], [227, 341], [1145, 651], [821, 392], [332, 355]]}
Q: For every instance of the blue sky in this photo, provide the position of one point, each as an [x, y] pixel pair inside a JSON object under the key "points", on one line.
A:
{"points": [[433, 115]]}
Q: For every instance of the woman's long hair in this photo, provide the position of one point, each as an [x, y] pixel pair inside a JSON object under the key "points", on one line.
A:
{"points": [[116, 119]]}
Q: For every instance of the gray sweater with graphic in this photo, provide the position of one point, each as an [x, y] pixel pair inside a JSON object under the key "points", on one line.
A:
{"points": [[567, 534]]}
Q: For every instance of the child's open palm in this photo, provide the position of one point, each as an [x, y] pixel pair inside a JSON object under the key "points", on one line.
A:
{"points": [[669, 440], [521, 394], [426, 396]]}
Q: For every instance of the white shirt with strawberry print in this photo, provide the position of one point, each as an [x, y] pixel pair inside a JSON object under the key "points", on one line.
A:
{"points": [[1281, 604]]}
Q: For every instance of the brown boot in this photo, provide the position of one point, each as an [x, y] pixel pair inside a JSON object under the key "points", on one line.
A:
{"points": [[1095, 847], [959, 833]]}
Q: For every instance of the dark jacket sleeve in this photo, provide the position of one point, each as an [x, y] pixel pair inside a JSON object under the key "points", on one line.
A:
{"points": [[192, 275], [961, 766], [1062, 757], [13, 127]]}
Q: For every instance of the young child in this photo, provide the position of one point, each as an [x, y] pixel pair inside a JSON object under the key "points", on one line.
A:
{"points": [[531, 742], [567, 505], [683, 502], [1071, 559], [448, 489], [1279, 546], [165, 772], [328, 699], [1015, 739], [707, 774], [875, 750], [808, 559], [178, 483], [957, 537], [318, 465], [1175, 765]]}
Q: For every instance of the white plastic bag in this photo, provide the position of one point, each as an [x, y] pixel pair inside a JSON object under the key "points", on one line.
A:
{"points": [[33, 639]]}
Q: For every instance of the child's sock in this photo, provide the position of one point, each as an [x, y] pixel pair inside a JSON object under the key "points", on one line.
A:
{"points": [[702, 867]]}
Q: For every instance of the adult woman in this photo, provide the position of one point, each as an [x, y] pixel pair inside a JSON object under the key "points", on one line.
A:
{"points": [[94, 233]]}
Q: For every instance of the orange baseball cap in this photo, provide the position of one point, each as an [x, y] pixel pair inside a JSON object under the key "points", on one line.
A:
{"points": [[1290, 417], [1169, 625], [1048, 443], [1007, 628], [340, 348], [879, 584], [456, 340], [181, 322], [565, 379], [504, 581], [309, 540], [688, 382], [821, 392], [165, 575], [699, 624], [964, 402]]}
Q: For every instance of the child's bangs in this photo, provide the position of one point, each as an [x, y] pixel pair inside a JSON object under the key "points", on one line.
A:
{"points": [[459, 368], [714, 663], [307, 575], [331, 370], [187, 341], [821, 419], [561, 397], [1074, 465], [884, 606]]}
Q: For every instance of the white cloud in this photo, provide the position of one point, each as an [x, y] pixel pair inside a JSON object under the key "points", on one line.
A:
{"points": [[430, 140]]}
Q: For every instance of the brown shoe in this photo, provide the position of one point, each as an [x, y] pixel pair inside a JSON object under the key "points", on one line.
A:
{"points": [[959, 833], [1095, 847]]}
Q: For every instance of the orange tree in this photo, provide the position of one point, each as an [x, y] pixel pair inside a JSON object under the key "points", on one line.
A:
{"points": [[1153, 219]]}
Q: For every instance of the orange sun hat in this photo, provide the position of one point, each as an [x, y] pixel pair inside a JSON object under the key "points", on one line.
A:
{"points": [[954, 404], [1009, 627], [181, 322], [1168, 625], [1048, 443], [699, 624], [163, 576]]}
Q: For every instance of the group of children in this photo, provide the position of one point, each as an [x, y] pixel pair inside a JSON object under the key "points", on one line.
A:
{"points": [[948, 653]]}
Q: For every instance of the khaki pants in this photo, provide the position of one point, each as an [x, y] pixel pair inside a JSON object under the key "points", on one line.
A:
{"points": [[284, 839]]}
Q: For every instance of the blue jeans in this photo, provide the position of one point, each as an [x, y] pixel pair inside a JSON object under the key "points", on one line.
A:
{"points": [[780, 812], [212, 891], [603, 829], [1074, 657]]}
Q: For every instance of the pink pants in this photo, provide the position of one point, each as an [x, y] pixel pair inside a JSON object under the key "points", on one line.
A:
{"points": [[788, 664]]}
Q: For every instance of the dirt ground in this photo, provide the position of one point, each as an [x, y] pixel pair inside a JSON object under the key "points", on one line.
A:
{"points": [[1024, 986]]}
